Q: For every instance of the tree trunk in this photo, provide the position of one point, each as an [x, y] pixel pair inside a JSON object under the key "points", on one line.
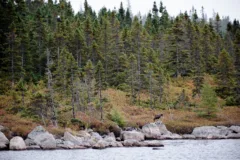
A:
{"points": [[72, 89], [50, 89]]}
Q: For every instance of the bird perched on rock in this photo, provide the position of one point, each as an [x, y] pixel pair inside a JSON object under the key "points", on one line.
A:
{"points": [[157, 116]]}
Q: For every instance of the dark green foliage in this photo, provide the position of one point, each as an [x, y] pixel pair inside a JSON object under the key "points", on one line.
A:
{"points": [[225, 75], [75, 57], [209, 102], [116, 117]]}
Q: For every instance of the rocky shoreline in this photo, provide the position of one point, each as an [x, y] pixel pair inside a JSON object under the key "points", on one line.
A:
{"points": [[149, 136]]}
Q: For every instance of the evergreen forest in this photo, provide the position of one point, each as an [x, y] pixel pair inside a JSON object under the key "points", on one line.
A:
{"points": [[65, 69]]}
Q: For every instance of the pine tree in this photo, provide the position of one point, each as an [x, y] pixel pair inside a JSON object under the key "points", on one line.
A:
{"points": [[99, 71], [89, 80], [225, 74], [209, 101], [178, 60], [50, 96], [237, 67], [155, 20], [132, 77], [136, 40], [121, 15]]}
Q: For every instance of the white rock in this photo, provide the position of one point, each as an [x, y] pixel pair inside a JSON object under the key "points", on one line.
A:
{"points": [[235, 129], [17, 143], [133, 135], [151, 131], [45, 141], [3, 141]]}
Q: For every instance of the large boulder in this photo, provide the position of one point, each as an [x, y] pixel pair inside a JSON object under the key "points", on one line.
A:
{"points": [[111, 140], [158, 130], [3, 141], [233, 136], [131, 143], [36, 131], [235, 129], [162, 128], [46, 141], [207, 132], [101, 144], [96, 136], [151, 131], [17, 143], [71, 138], [68, 145], [224, 131], [133, 135], [39, 136], [78, 141]]}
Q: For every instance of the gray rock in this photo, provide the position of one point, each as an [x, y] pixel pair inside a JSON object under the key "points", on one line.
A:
{"points": [[132, 143], [111, 134], [30, 142], [101, 144], [17, 143], [59, 141], [79, 141], [154, 143], [151, 131], [68, 145], [92, 142], [109, 139], [171, 136], [162, 128], [188, 136], [235, 129], [36, 131], [96, 136], [115, 144], [234, 136], [71, 138], [34, 147], [222, 127], [45, 141], [83, 134], [207, 132], [118, 139], [119, 144], [133, 135], [3, 141], [39, 136]]}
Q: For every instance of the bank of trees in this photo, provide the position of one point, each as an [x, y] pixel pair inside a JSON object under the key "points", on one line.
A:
{"points": [[79, 55]]}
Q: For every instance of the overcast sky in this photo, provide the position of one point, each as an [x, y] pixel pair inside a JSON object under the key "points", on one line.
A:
{"points": [[229, 8]]}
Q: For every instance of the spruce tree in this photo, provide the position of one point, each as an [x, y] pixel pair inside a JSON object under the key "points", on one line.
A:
{"points": [[99, 74], [225, 74], [209, 101]]}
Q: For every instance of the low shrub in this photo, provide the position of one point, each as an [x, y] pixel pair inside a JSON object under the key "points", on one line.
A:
{"points": [[116, 117]]}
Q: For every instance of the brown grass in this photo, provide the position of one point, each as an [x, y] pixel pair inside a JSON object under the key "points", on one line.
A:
{"points": [[181, 121]]}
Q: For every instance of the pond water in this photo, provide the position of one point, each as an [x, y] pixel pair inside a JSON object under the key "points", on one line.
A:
{"points": [[173, 150]]}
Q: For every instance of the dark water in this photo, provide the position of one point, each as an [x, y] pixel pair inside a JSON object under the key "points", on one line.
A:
{"points": [[173, 150]]}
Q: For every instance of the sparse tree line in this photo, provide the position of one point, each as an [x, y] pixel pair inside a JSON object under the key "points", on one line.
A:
{"points": [[78, 56]]}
